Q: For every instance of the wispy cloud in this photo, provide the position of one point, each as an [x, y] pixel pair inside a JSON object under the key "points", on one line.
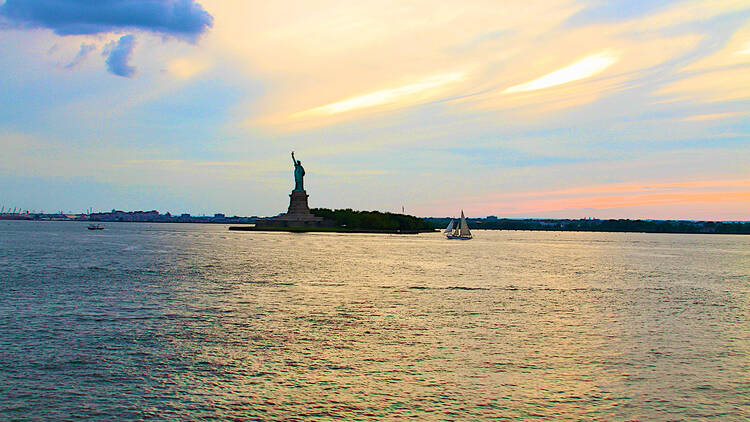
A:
{"points": [[723, 75], [81, 56], [402, 95], [582, 69], [710, 87], [713, 116]]}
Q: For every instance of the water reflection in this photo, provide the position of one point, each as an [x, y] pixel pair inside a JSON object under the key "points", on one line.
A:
{"points": [[183, 322]]}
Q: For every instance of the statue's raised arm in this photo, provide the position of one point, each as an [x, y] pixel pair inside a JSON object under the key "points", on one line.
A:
{"points": [[293, 160]]}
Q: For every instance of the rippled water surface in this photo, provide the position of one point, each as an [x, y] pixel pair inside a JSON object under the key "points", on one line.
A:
{"points": [[193, 322]]}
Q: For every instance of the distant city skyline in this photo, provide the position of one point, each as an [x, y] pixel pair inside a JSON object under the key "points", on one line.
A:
{"points": [[554, 108]]}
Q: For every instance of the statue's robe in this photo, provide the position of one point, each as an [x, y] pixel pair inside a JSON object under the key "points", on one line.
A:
{"points": [[299, 174]]}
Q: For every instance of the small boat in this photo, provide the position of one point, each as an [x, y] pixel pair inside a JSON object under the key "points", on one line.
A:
{"points": [[95, 227], [461, 231]]}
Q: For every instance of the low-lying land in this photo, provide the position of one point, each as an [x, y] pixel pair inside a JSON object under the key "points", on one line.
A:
{"points": [[351, 221], [323, 230], [373, 220]]}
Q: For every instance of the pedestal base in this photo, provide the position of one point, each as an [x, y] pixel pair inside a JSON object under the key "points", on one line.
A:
{"points": [[298, 215], [298, 203]]}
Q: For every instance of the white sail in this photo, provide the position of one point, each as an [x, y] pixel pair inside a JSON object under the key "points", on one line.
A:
{"points": [[464, 229], [449, 228]]}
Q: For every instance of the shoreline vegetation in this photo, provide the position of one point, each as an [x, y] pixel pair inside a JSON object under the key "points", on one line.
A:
{"points": [[373, 220]]}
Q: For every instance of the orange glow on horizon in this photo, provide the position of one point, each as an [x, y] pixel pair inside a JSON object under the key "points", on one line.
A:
{"points": [[612, 201], [621, 195]]}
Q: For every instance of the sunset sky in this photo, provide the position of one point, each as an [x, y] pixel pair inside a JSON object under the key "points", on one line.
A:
{"points": [[553, 108]]}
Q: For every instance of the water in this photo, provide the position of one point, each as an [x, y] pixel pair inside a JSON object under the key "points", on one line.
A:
{"points": [[193, 322]]}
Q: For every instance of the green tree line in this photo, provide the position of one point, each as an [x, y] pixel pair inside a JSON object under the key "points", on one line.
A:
{"points": [[612, 225], [372, 220]]}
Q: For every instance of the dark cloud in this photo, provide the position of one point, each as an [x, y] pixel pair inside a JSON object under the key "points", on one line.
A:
{"points": [[118, 56], [81, 56], [179, 18]]}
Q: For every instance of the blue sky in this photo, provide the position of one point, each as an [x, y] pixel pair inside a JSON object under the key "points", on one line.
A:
{"points": [[554, 108]]}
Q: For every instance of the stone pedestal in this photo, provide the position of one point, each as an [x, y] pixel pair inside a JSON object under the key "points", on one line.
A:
{"points": [[298, 203], [298, 215]]}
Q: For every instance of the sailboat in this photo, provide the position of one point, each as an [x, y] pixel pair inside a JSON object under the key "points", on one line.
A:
{"points": [[461, 231], [448, 230]]}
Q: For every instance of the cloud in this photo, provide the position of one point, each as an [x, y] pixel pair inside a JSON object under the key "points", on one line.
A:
{"points": [[584, 68], [118, 55], [354, 62], [714, 116], [183, 19], [179, 18], [81, 56], [386, 96], [735, 53], [725, 85], [323, 53]]}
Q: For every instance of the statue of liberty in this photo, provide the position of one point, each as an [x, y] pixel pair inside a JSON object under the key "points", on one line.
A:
{"points": [[299, 174]]}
